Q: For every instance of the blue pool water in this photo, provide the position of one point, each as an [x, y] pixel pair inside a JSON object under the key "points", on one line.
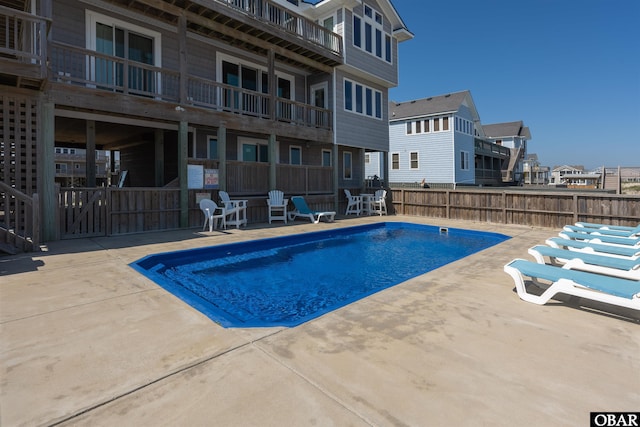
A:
{"points": [[286, 281]]}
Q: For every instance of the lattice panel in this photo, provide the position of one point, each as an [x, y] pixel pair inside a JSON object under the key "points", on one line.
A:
{"points": [[18, 141]]}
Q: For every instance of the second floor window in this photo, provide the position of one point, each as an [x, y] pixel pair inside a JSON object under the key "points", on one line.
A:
{"points": [[362, 99], [414, 160], [395, 161]]}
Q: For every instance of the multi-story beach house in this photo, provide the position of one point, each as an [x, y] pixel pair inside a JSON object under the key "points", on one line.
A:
{"points": [[439, 141], [194, 96], [513, 135]]}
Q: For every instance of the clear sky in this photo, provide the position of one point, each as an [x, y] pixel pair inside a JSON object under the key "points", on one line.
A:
{"points": [[569, 69]]}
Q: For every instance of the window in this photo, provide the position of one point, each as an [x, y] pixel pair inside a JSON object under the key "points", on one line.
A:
{"points": [[414, 160], [61, 168], [426, 125], [326, 158], [255, 152], [357, 31], [347, 165], [436, 125], [445, 123], [418, 129], [376, 41], [367, 159], [464, 160], [409, 128], [213, 148], [295, 155], [120, 39], [367, 101], [395, 161]]}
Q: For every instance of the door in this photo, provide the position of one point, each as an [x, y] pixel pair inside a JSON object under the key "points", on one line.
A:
{"points": [[319, 116]]}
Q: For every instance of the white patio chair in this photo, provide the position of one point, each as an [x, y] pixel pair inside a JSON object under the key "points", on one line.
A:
{"points": [[379, 204], [236, 210], [354, 203], [212, 213], [277, 206]]}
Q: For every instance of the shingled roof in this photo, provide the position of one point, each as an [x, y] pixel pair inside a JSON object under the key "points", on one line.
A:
{"points": [[509, 129], [441, 104]]}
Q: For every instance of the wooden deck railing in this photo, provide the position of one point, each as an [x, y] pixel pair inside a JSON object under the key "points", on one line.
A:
{"points": [[289, 21], [90, 69], [19, 219], [22, 36]]}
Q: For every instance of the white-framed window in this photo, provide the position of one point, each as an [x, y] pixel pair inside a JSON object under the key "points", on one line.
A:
{"points": [[361, 99], [395, 161], [367, 159], [253, 150], [61, 168], [464, 160], [111, 36], [413, 160], [369, 34], [295, 155], [347, 165], [326, 158]]}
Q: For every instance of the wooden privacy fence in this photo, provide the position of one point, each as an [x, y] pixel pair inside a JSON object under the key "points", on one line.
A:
{"points": [[533, 208]]}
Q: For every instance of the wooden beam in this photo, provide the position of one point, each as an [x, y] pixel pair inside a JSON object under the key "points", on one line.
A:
{"points": [[183, 153], [91, 153]]}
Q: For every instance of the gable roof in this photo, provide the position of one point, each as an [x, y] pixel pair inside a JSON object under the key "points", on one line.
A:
{"points": [[432, 105], [509, 129], [398, 27]]}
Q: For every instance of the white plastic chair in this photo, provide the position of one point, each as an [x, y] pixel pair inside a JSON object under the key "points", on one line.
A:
{"points": [[212, 213], [354, 203], [277, 206], [379, 204], [236, 210]]}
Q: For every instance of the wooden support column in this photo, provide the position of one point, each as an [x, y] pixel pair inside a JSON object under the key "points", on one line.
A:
{"points": [[158, 137], [273, 184], [47, 173], [222, 157], [182, 46], [183, 148], [90, 155], [273, 84]]}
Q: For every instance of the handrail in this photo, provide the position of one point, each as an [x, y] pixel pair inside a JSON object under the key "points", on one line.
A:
{"points": [[286, 19], [21, 217], [24, 35], [95, 70]]}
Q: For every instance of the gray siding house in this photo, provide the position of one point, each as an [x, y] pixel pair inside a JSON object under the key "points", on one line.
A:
{"points": [[512, 135], [265, 94]]}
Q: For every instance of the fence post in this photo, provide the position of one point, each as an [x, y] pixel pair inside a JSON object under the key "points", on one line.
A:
{"points": [[504, 207], [35, 212], [448, 204], [575, 208]]}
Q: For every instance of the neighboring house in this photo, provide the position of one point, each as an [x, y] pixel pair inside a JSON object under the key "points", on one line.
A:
{"points": [[71, 167], [575, 177], [513, 135], [439, 141], [533, 172], [260, 94]]}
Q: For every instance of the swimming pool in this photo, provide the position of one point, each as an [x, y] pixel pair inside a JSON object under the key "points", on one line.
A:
{"points": [[286, 281]]}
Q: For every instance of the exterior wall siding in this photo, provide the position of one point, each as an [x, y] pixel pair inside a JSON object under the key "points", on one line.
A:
{"points": [[357, 130], [363, 60]]}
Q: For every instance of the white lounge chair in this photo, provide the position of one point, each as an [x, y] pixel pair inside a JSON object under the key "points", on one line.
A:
{"points": [[354, 203], [212, 214], [574, 260], [608, 226], [596, 287], [603, 231], [379, 203], [236, 210], [303, 210], [591, 247], [277, 206], [609, 240]]}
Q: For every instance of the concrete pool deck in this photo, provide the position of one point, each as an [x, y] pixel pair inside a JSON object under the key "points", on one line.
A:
{"points": [[86, 340]]}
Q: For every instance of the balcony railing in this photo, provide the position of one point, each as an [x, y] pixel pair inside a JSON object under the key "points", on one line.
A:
{"points": [[484, 147], [22, 37], [291, 22], [90, 69]]}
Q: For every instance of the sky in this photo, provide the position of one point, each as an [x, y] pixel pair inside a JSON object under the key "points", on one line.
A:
{"points": [[569, 69]]}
